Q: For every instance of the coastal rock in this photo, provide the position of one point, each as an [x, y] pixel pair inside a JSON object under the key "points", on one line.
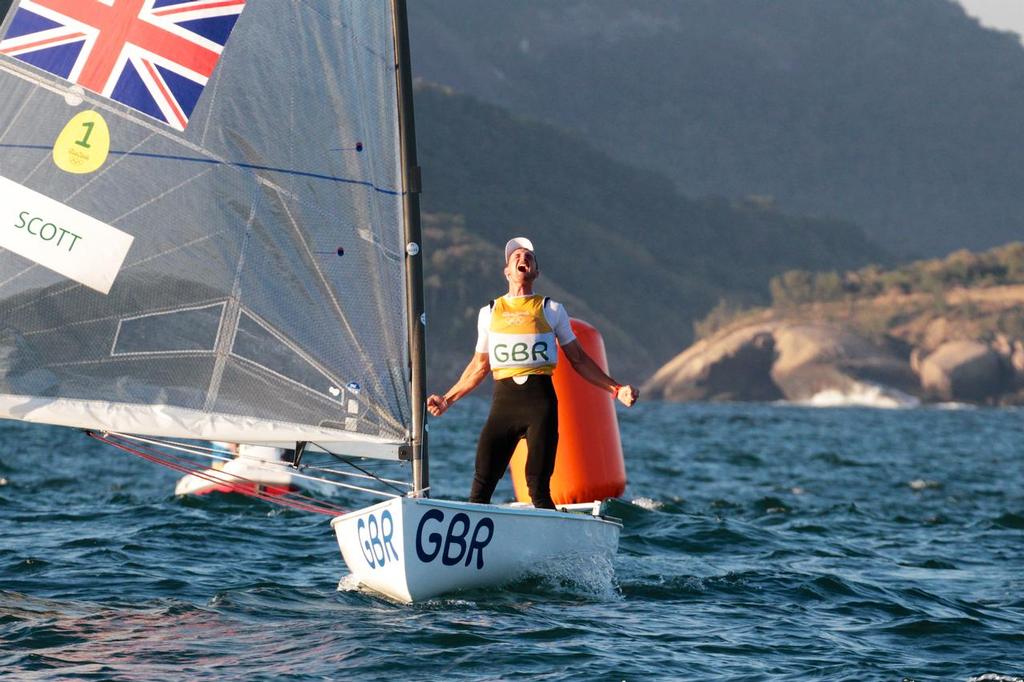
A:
{"points": [[814, 358], [916, 357], [829, 364], [774, 361], [1017, 363], [963, 371], [1017, 357], [729, 366]]}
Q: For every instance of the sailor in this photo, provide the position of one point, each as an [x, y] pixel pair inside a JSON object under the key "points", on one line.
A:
{"points": [[516, 343]]}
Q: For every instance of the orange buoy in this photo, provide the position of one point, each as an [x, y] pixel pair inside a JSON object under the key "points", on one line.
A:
{"points": [[588, 464]]}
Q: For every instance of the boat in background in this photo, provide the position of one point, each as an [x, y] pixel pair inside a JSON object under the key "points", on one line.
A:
{"points": [[215, 241], [244, 469]]}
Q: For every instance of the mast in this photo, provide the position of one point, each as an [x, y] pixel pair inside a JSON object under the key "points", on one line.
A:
{"points": [[413, 251]]}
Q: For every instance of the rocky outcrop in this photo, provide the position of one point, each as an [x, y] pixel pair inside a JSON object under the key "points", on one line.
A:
{"points": [[734, 366], [813, 358], [873, 337], [779, 360], [822, 363], [964, 371]]}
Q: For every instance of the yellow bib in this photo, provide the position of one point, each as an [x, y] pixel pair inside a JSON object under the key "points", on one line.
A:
{"points": [[520, 340]]}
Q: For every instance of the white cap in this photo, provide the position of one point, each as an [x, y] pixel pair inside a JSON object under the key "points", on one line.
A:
{"points": [[517, 243]]}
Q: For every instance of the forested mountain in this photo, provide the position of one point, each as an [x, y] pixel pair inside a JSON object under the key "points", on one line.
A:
{"points": [[622, 247], [900, 115]]}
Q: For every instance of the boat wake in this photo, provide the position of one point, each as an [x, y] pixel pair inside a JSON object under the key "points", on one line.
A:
{"points": [[587, 577], [348, 583], [590, 577], [648, 503]]}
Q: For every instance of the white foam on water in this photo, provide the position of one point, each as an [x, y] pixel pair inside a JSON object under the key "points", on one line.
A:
{"points": [[348, 583], [648, 504], [955, 406], [862, 395], [451, 601], [922, 484], [592, 577]]}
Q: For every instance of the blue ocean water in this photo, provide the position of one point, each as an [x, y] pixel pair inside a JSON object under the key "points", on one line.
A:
{"points": [[766, 542]]}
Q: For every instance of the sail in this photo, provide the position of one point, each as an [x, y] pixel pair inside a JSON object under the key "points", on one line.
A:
{"points": [[201, 211]]}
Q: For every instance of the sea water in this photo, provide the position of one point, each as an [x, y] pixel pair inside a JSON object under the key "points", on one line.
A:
{"points": [[763, 542]]}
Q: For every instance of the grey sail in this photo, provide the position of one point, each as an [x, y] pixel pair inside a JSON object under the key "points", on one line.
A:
{"points": [[253, 193]]}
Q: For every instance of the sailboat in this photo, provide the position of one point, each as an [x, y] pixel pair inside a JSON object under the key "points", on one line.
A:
{"points": [[209, 231], [242, 469]]}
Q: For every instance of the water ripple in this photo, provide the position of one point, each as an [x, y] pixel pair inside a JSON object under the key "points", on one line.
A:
{"points": [[762, 542]]}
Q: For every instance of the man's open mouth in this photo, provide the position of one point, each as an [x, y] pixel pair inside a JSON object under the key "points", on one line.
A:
{"points": [[521, 268]]}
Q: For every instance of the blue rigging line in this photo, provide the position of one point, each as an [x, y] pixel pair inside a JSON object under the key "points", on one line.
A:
{"points": [[237, 164]]}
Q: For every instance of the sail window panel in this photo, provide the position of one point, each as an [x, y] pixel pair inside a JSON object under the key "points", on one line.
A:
{"points": [[192, 330], [250, 390], [258, 344]]}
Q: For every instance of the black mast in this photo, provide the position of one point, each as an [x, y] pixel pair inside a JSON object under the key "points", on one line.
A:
{"points": [[413, 251]]}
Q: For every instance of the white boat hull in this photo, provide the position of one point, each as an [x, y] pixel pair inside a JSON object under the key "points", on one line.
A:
{"points": [[240, 475], [411, 549]]}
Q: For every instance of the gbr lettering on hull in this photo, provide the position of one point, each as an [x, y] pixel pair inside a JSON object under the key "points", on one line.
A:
{"points": [[375, 539], [453, 540]]}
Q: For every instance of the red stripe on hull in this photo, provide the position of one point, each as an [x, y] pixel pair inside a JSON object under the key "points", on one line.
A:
{"points": [[250, 489]]}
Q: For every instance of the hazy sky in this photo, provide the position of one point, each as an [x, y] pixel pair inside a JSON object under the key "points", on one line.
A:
{"points": [[1005, 15]]}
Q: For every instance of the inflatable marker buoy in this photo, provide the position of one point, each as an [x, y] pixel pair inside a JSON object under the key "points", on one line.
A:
{"points": [[589, 464]]}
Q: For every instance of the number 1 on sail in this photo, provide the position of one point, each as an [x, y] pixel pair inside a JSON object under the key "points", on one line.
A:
{"points": [[84, 142]]}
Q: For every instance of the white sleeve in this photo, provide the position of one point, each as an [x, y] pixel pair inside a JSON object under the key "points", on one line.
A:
{"points": [[483, 327], [557, 316]]}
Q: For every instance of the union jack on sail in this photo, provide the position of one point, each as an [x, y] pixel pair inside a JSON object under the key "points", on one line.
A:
{"points": [[154, 56]]}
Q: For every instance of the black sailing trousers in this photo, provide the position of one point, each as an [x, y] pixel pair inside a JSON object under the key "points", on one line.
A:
{"points": [[530, 411]]}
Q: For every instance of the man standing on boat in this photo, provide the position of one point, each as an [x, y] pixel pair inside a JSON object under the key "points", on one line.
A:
{"points": [[516, 343]]}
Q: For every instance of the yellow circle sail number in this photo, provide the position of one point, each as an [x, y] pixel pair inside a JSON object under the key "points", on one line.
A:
{"points": [[83, 145]]}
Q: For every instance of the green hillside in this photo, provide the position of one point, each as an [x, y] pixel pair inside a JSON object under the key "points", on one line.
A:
{"points": [[965, 295], [999, 267], [645, 260]]}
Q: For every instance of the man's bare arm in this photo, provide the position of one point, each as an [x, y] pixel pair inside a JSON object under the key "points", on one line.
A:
{"points": [[589, 370], [476, 371]]}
